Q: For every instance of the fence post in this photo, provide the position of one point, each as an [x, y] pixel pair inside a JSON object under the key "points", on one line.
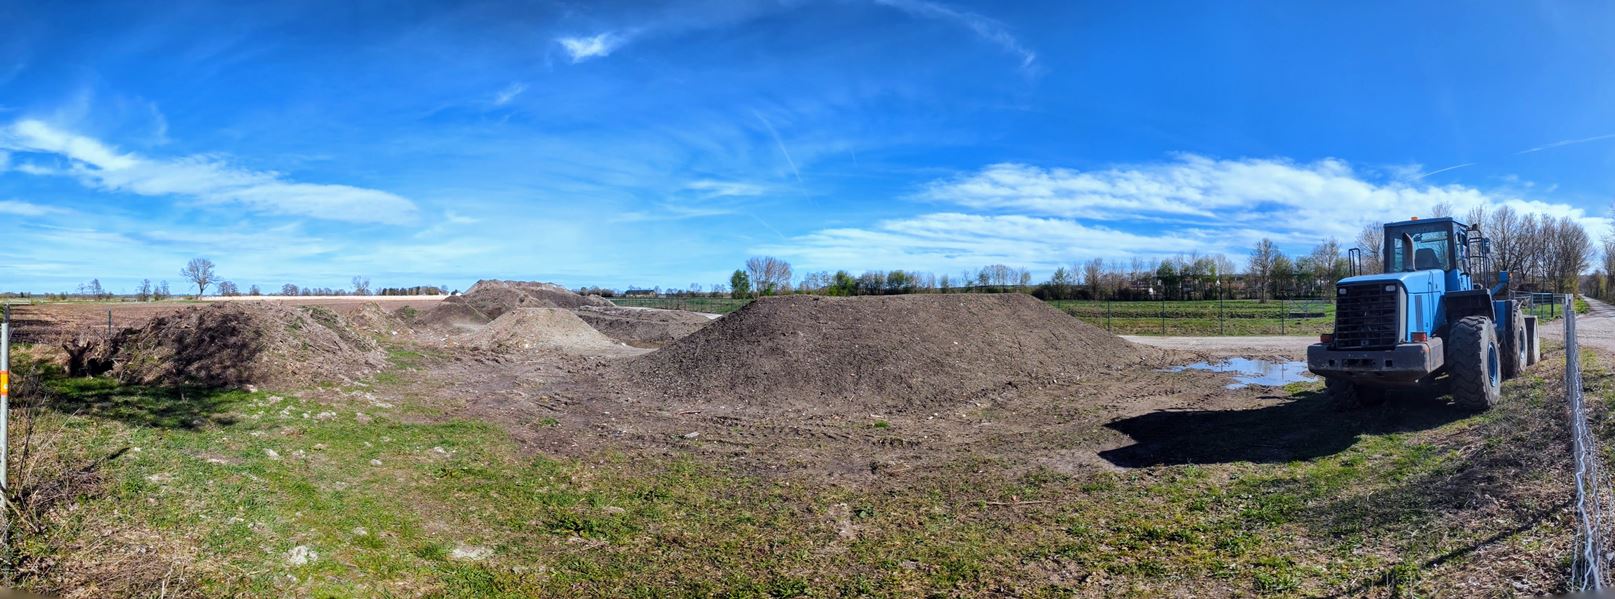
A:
{"points": [[5, 442], [1282, 314]]}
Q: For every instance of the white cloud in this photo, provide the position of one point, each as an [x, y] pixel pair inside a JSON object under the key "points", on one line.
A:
{"points": [[724, 189], [582, 48], [21, 208], [206, 179], [509, 93], [987, 28], [1045, 217]]}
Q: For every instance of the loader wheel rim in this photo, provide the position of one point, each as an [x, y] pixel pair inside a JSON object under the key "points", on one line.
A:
{"points": [[1493, 373]]}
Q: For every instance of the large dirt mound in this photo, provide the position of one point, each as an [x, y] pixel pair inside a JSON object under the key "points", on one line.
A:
{"points": [[888, 354], [494, 297], [233, 344], [539, 328], [642, 327]]}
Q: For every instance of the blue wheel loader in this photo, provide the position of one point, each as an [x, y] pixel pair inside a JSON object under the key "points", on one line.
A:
{"points": [[1427, 318]]}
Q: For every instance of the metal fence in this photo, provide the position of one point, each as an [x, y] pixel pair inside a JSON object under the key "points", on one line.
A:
{"points": [[1592, 483]]}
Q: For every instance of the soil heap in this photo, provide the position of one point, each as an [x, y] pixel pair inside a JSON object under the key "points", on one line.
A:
{"points": [[643, 328], [237, 343], [371, 318], [494, 297], [888, 354], [539, 328], [490, 299]]}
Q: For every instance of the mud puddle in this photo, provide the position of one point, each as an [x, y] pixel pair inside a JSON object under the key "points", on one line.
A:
{"points": [[1247, 372]]}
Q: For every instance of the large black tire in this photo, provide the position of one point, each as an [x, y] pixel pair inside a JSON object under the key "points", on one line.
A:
{"points": [[1475, 361], [1515, 357], [1346, 395]]}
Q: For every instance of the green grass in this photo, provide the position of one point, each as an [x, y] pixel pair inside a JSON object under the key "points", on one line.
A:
{"points": [[1195, 318], [393, 502]]}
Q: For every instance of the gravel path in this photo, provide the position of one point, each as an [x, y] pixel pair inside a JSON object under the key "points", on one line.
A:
{"points": [[1596, 328]]}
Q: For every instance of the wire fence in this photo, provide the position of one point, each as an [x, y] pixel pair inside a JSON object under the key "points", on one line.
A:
{"points": [[1592, 484]]}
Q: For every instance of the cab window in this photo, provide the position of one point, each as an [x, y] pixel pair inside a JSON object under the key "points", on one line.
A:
{"points": [[1431, 249]]}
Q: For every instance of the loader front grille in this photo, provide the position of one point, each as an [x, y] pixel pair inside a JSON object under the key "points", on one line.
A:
{"points": [[1367, 316]]}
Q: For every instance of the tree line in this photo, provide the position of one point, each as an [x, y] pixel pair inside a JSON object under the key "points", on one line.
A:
{"points": [[1541, 253], [201, 273]]}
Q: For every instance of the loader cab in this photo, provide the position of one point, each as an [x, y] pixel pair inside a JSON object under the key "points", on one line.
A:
{"points": [[1436, 244]]}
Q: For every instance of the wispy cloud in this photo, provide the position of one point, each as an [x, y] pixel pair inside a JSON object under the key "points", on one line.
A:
{"points": [[780, 143], [21, 208], [582, 48], [1445, 169], [205, 179], [1042, 217], [1566, 142], [985, 27], [724, 189], [509, 93]]}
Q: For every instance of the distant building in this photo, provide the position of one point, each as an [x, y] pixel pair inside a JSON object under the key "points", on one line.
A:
{"points": [[639, 293]]}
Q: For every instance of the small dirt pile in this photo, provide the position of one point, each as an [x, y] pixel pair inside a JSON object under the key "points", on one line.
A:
{"points": [[887, 354], [640, 327], [237, 343], [452, 315], [539, 328], [494, 298], [373, 319]]}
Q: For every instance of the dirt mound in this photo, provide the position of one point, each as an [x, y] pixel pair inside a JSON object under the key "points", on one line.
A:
{"points": [[376, 320], [233, 344], [640, 327], [539, 328], [494, 297], [887, 354], [452, 315]]}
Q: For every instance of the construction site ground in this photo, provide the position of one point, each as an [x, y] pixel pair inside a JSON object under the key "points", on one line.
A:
{"points": [[465, 468]]}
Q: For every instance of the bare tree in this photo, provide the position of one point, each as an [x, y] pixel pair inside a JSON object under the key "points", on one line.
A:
{"points": [[769, 275], [361, 285], [229, 289], [144, 291], [255, 291], [1261, 265], [289, 290], [199, 271], [1370, 241], [1441, 209], [1093, 275]]}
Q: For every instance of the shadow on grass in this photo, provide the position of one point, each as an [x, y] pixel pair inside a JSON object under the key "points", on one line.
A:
{"points": [[149, 406], [1306, 427]]}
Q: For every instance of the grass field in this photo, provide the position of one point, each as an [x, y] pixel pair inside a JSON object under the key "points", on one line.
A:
{"points": [[277, 493]]}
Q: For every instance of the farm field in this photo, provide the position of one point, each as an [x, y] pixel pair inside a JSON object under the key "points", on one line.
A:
{"points": [[978, 446]]}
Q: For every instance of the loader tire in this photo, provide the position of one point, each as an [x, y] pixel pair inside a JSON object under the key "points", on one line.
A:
{"points": [[1515, 356], [1346, 395], [1476, 365]]}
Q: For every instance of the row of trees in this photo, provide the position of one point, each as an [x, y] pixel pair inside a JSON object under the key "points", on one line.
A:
{"points": [[1540, 252], [202, 273]]}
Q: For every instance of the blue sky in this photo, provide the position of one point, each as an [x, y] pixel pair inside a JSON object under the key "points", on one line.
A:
{"points": [[663, 143]]}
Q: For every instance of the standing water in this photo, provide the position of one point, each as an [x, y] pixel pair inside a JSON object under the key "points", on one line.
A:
{"points": [[1247, 372]]}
